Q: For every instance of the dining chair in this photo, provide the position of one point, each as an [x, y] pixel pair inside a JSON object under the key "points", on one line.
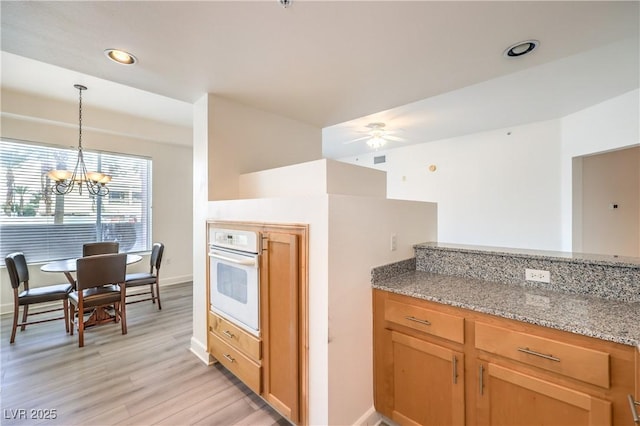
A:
{"points": [[100, 284], [19, 274], [103, 247], [152, 278]]}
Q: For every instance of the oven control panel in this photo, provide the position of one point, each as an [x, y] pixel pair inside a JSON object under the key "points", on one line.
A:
{"points": [[235, 239]]}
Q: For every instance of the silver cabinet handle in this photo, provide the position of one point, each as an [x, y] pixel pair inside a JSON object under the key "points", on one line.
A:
{"points": [[418, 320], [481, 380], [541, 355], [632, 407], [454, 363], [229, 357], [229, 334]]}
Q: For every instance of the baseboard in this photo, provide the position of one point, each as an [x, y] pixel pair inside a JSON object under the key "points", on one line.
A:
{"points": [[200, 351], [167, 281], [370, 418]]}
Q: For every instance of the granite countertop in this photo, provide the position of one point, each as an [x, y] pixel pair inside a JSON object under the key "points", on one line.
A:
{"points": [[615, 321]]}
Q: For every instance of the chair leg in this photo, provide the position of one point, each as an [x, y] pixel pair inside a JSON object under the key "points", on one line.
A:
{"points": [[80, 323], [16, 308], [65, 309], [123, 317], [71, 317], [153, 296], [25, 313], [158, 295]]}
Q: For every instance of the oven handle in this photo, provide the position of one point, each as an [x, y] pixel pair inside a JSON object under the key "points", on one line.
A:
{"points": [[244, 262]]}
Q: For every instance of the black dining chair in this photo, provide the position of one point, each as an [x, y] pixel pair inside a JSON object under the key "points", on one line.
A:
{"points": [[100, 284], [103, 247], [152, 278], [19, 274]]}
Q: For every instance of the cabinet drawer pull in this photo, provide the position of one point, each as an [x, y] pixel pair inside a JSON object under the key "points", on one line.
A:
{"points": [[229, 357], [545, 356], [632, 407], [418, 320], [229, 334], [481, 384]]}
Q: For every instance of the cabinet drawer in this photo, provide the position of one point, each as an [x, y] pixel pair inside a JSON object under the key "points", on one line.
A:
{"points": [[426, 320], [586, 365], [240, 365], [235, 336]]}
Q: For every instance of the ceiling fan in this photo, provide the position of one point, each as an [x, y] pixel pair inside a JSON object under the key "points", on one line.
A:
{"points": [[377, 136]]}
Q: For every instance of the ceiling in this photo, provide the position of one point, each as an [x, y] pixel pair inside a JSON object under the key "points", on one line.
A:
{"points": [[433, 69]]}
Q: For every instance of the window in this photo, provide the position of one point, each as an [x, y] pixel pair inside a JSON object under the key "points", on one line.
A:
{"points": [[46, 226]]}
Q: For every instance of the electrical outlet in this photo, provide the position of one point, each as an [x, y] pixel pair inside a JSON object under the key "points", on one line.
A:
{"points": [[537, 275], [394, 242]]}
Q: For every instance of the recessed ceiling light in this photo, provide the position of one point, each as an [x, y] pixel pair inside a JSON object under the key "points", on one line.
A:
{"points": [[120, 56], [520, 48]]}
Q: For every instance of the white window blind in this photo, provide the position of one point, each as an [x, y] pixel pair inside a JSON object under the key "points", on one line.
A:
{"points": [[46, 226]]}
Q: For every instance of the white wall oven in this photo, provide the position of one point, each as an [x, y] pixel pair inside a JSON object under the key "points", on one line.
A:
{"points": [[234, 278]]}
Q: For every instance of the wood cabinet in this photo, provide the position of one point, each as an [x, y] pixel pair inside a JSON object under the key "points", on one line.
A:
{"points": [[513, 373], [419, 364], [274, 365], [280, 322]]}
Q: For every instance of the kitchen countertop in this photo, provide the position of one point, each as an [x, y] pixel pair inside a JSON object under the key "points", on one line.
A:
{"points": [[615, 321]]}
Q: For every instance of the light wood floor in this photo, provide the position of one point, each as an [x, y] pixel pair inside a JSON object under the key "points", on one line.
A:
{"points": [[146, 377]]}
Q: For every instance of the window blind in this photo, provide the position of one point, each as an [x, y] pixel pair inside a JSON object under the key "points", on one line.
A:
{"points": [[46, 226]]}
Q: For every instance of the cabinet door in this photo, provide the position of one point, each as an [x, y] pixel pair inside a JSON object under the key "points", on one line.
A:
{"points": [[280, 323], [511, 398], [428, 383]]}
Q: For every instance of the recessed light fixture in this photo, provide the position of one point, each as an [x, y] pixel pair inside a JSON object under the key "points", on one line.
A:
{"points": [[120, 56], [521, 48]]}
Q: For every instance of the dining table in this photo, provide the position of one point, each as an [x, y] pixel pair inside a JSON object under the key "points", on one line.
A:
{"points": [[67, 267]]}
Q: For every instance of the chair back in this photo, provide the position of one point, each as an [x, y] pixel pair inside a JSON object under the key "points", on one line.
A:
{"points": [[17, 269], [99, 270], [104, 247], [156, 256]]}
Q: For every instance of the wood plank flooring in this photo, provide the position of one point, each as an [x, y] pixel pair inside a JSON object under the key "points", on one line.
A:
{"points": [[145, 377]]}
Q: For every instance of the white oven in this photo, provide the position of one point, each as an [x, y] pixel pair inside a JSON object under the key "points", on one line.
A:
{"points": [[234, 278]]}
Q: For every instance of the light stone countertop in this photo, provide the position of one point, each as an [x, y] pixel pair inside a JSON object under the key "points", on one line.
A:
{"points": [[611, 320]]}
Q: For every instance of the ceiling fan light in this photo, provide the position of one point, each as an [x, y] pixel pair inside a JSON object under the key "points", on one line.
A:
{"points": [[376, 142]]}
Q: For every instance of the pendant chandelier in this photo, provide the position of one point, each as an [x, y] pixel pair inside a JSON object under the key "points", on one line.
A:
{"points": [[66, 180]]}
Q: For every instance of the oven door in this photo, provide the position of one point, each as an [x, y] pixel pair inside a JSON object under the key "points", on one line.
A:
{"points": [[234, 287]]}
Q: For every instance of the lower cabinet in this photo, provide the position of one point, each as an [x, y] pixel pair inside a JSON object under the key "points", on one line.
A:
{"points": [[419, 363], [510, 398], [417, 366], [436, 364]]}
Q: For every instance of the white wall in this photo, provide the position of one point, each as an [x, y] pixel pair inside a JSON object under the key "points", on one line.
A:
{"points": [[244, 139], [509, 190], [360, 231], [491, 188], [33, 118]]}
